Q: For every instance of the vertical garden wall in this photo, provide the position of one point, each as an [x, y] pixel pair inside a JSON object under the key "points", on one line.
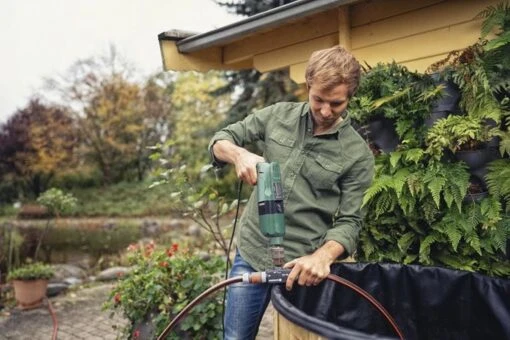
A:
{"points": [[441, 195]]}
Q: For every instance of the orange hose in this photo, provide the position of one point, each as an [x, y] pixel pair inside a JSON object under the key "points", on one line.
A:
{"points": [[198, 299], [370, 299], [256, 279], [54, 319]]}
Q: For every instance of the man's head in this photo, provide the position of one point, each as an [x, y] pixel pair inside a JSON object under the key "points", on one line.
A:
{"points": [[331, 67]]}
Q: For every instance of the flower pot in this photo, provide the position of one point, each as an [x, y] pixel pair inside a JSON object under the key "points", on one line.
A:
{"points": [[450, 98], [477, 159], [30, 293], [381, 132], [475, 197]]}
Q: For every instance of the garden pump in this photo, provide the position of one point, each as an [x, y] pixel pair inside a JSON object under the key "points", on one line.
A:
{"points": [[270, 207]]}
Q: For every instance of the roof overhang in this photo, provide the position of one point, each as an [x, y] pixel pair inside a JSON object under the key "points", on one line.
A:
{"points": [[414, 33]]}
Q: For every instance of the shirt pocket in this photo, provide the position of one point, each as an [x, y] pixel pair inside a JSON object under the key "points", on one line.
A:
{"points": [[279, 146], [321, 172]]}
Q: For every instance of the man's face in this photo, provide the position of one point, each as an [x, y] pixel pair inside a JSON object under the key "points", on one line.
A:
{"points": [[327, 106]]}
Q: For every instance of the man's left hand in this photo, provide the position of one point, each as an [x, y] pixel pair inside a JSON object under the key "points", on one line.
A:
{"points": [[310, 270]]}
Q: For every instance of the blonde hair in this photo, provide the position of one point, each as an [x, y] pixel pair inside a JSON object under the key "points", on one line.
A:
{"points": [[331, 67]]}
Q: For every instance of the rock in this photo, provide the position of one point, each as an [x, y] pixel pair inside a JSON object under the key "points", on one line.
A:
{"points": [[194, 230], [176, 223], [112, 273], [204, 256], [72, 281], [63, 271], [150, 228], [55, 288]]}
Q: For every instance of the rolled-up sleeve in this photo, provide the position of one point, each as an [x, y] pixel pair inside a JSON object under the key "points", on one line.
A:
{"points": [[244, 132]]}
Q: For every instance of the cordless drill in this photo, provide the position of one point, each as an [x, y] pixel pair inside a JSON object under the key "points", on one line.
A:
{"points": [[270, 204]]}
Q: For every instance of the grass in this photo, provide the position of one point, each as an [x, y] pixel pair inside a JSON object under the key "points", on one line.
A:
{"points": [[133, 199]]}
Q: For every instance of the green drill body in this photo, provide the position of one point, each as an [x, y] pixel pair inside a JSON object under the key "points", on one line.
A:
{"points": [[270, 207]]}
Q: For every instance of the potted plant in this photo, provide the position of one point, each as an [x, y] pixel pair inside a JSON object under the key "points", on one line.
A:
{"points": [[391, 105], [30, 283]]}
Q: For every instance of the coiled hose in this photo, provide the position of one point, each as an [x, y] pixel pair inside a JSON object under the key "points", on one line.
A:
{"points": [[280, 276]]}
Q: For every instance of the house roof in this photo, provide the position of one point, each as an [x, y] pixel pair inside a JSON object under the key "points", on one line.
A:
{"points": [[413, 33], [189, 42]]}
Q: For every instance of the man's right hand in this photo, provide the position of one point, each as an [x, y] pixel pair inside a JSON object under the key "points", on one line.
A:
{"points": [[245, 162]]}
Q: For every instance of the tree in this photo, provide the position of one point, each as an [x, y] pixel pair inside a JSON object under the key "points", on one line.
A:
{"points": [[252, 7], [117, 116], [256, 90], [35, 143]]}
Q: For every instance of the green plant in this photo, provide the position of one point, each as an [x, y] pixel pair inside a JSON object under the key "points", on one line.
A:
{"points": [[417, 215], [33, 271], [161, 284], [200, 197], [392, 91], [458, 133], [57, 202], [498, 181]]}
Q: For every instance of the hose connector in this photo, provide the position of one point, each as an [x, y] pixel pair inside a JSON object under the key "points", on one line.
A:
{"points": [[272, 276]]}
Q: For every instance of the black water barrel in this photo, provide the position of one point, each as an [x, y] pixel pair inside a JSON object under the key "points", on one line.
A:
{"points": [[426, 303]]}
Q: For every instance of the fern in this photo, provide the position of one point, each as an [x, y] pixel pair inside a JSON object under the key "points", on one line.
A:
{"points": [[498, 180], [406, 240]]}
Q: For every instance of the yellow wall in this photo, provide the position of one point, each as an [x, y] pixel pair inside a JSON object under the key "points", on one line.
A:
{"points": [[415, 33]]}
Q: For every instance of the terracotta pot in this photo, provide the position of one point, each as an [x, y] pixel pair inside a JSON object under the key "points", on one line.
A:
{"points": [[30, 293]]}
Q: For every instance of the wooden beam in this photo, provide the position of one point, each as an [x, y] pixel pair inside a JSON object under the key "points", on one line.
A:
{"points": [[441, 15], [306, 29], [202, 61], [294, 54], [297, 72], [423, 45], [344, 27], [367, 12]]}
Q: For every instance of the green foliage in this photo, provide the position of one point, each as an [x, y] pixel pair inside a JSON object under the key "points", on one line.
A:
{"points": [[458, 133], [33, 271], [394, 92], [124, 199], [161, 284], [417, 206], [200, 198], [57, 202], [498, 181]]}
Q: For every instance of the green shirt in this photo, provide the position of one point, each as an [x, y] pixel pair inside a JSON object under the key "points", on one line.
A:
{"points": [[323, 178]]}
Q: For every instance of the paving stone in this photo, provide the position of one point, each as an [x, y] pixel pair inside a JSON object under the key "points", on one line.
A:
{"points": [[80, 316]]}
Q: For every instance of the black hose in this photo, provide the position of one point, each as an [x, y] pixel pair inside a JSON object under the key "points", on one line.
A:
{"points": [[256, 279]]}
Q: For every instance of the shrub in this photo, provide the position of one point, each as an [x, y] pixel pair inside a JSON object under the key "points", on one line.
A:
{"points": [[33, 271], [161, 284]]}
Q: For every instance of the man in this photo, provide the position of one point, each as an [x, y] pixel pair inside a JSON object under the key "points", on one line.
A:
{"points": [[326, 168]]}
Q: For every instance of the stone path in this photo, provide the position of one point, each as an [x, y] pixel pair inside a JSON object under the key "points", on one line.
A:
{"points": [[78, 313], [80, 316]]}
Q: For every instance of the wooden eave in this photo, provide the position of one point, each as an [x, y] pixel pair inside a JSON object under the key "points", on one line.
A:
{"points": [[414, 33]]}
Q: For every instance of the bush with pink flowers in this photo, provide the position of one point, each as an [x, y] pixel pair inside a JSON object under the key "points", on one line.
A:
{"points": [[163, 281]]}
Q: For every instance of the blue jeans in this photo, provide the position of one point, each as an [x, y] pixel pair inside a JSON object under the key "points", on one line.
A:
{"points": [[245, 305]]}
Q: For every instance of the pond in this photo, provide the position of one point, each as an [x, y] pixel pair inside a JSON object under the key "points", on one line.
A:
{"points": [[84, 242]]}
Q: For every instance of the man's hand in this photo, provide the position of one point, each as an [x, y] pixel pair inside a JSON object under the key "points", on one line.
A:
{"points": [[310, 270], [246, 166], [245, 162]]}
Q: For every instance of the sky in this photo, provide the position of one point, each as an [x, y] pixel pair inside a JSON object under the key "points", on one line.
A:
{"points": [[43, 38]]}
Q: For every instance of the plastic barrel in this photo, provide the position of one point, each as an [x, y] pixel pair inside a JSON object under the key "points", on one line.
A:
{"points": [[426, 303]]}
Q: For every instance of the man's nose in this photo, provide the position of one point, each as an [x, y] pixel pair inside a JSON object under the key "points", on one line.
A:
{"points": [[325, 110]]}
